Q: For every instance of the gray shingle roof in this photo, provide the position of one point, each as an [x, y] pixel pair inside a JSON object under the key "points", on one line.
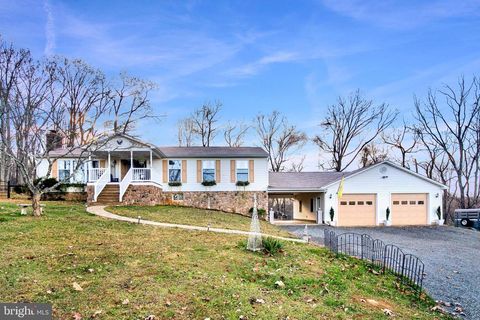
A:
{"points": [[303, 180], [213, 152]]}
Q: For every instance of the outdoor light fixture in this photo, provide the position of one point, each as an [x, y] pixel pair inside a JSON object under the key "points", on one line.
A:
{"points": [[436, 195], [330, 196]]}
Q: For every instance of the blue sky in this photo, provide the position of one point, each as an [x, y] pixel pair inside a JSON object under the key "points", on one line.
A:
{"points": [[292, 56]]}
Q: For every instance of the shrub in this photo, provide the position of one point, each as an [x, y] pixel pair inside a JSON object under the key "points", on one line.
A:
{"points": [[209, 183], [45, 182], [332, 213], [271, 245], [242, 183], [175, 184], [21, 189], [387, 212], [439, 213], [261, 212]]}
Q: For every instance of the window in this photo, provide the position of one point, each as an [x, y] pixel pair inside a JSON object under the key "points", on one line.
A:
{"points": [[369, 203], [174, 171], [421, 202], [343, 203], [396, 203], [360, 203], [64, 170], [300, 206], [242, 170], [208, 170], [413, 202], [177, 196], [404, 202], [351, 203]]}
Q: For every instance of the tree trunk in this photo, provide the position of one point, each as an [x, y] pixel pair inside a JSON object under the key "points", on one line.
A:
{"points": [[37, 210]]}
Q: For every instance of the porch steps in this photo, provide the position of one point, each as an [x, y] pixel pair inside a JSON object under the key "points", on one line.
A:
{"points": [[109, 194]]}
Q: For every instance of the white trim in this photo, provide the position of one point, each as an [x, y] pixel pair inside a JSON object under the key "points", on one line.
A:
{"points": [[393, 165]]}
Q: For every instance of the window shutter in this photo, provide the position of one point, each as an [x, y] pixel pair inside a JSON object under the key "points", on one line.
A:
{"points": [[199, 171], [251, 171], [232, 171], [165, 170], [184, 171], [54, 172], [218, 172]]}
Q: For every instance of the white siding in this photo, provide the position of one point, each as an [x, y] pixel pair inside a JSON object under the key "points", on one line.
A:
{"points": [[42, 168], [260, 184], [398, 181]]}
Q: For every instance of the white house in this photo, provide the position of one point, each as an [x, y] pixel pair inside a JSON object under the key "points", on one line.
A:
{"points": [[367, 193], [129, 171]]}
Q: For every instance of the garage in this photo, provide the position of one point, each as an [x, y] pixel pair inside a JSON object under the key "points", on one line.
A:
{"points": [[409, 209], [357, 210]]}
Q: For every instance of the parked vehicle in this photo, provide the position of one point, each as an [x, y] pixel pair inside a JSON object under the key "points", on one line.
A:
{"points": [[467, 218]]}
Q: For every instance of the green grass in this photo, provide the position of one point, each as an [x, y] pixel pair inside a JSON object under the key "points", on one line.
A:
{"points": [[196, 217], [180, 274]]}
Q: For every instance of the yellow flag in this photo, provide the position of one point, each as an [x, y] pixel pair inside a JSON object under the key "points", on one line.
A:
{"points": [[340, 189]]}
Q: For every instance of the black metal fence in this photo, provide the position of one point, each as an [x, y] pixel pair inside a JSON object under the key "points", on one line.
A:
{"points": [[408, 268]]}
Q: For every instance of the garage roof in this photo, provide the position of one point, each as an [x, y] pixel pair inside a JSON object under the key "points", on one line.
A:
{"points": [[301, 181]]}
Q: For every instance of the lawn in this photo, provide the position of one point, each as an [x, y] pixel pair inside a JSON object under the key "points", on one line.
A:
{"points": [[97, 268], [196, 217]]}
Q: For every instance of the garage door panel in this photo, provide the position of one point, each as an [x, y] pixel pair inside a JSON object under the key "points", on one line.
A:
{"points": [[409, 209], [357, 210]]}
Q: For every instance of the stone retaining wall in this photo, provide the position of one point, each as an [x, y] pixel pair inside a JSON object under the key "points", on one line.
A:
{"points": [[228, 201]]}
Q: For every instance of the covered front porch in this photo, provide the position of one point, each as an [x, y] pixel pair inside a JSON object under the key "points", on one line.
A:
{"points": [[296, 207]]}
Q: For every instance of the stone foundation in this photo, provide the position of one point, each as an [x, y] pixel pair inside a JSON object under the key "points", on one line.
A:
{"points": [[228, 201]]}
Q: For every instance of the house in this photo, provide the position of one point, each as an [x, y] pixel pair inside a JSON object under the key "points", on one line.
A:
{"points": [[412, 199], [129, 171]]}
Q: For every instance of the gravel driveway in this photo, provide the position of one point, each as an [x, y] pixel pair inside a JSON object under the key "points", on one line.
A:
{"points": [[451, 257]]}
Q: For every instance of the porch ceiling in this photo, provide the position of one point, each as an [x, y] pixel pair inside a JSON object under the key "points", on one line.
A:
{"points": [[125, 154]]}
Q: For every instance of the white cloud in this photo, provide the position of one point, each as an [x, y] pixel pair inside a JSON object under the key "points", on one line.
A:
{"points": [[400, 15], [49, 29], [255, 67]]}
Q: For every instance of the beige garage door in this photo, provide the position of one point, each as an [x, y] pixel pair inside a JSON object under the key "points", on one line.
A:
{"points": [[409, 209], [356, 210]]}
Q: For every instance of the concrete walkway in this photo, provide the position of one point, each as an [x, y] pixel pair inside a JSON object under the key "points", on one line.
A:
{"points": [[100, 211]]}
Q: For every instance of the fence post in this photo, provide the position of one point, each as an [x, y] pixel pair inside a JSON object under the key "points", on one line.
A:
{"points": [[403, 269], [362, 246], [384, 259], [8, 189]]}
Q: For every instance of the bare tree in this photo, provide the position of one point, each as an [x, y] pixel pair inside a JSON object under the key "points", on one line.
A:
{"points": [[447, 119], [186, 132], [205, 122], [130, 102], [85, 90], [11, 62], [278, 138], [297, 166], [234, 134], [372, 154], [350, 125], [404, 140]]}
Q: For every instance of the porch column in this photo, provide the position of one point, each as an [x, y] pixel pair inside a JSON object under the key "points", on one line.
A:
{"points": [[89, 168], [131, 159], [151, 159], [109, 167]]}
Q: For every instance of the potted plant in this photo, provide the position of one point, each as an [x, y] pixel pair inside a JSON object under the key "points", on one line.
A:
{"points": [[175, 184], [332, 215], [440, 221], [387, 222], [209, 183]]}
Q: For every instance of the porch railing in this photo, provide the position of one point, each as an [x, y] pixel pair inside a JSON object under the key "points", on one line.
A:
{"points": [[141, 174], [125, 183], [95, 174], [101, 183]]}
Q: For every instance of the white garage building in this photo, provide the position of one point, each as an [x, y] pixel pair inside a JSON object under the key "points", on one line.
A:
{"points": [[413, 199]]}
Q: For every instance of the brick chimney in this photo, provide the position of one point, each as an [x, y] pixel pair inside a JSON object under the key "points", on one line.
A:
{"points": [[54, 140]]}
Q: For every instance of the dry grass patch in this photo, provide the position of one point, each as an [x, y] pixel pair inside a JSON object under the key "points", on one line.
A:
{"points": [[130, 271]]}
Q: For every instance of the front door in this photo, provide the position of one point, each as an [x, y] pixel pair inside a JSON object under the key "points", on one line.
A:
{"points": [[125, 166]]}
